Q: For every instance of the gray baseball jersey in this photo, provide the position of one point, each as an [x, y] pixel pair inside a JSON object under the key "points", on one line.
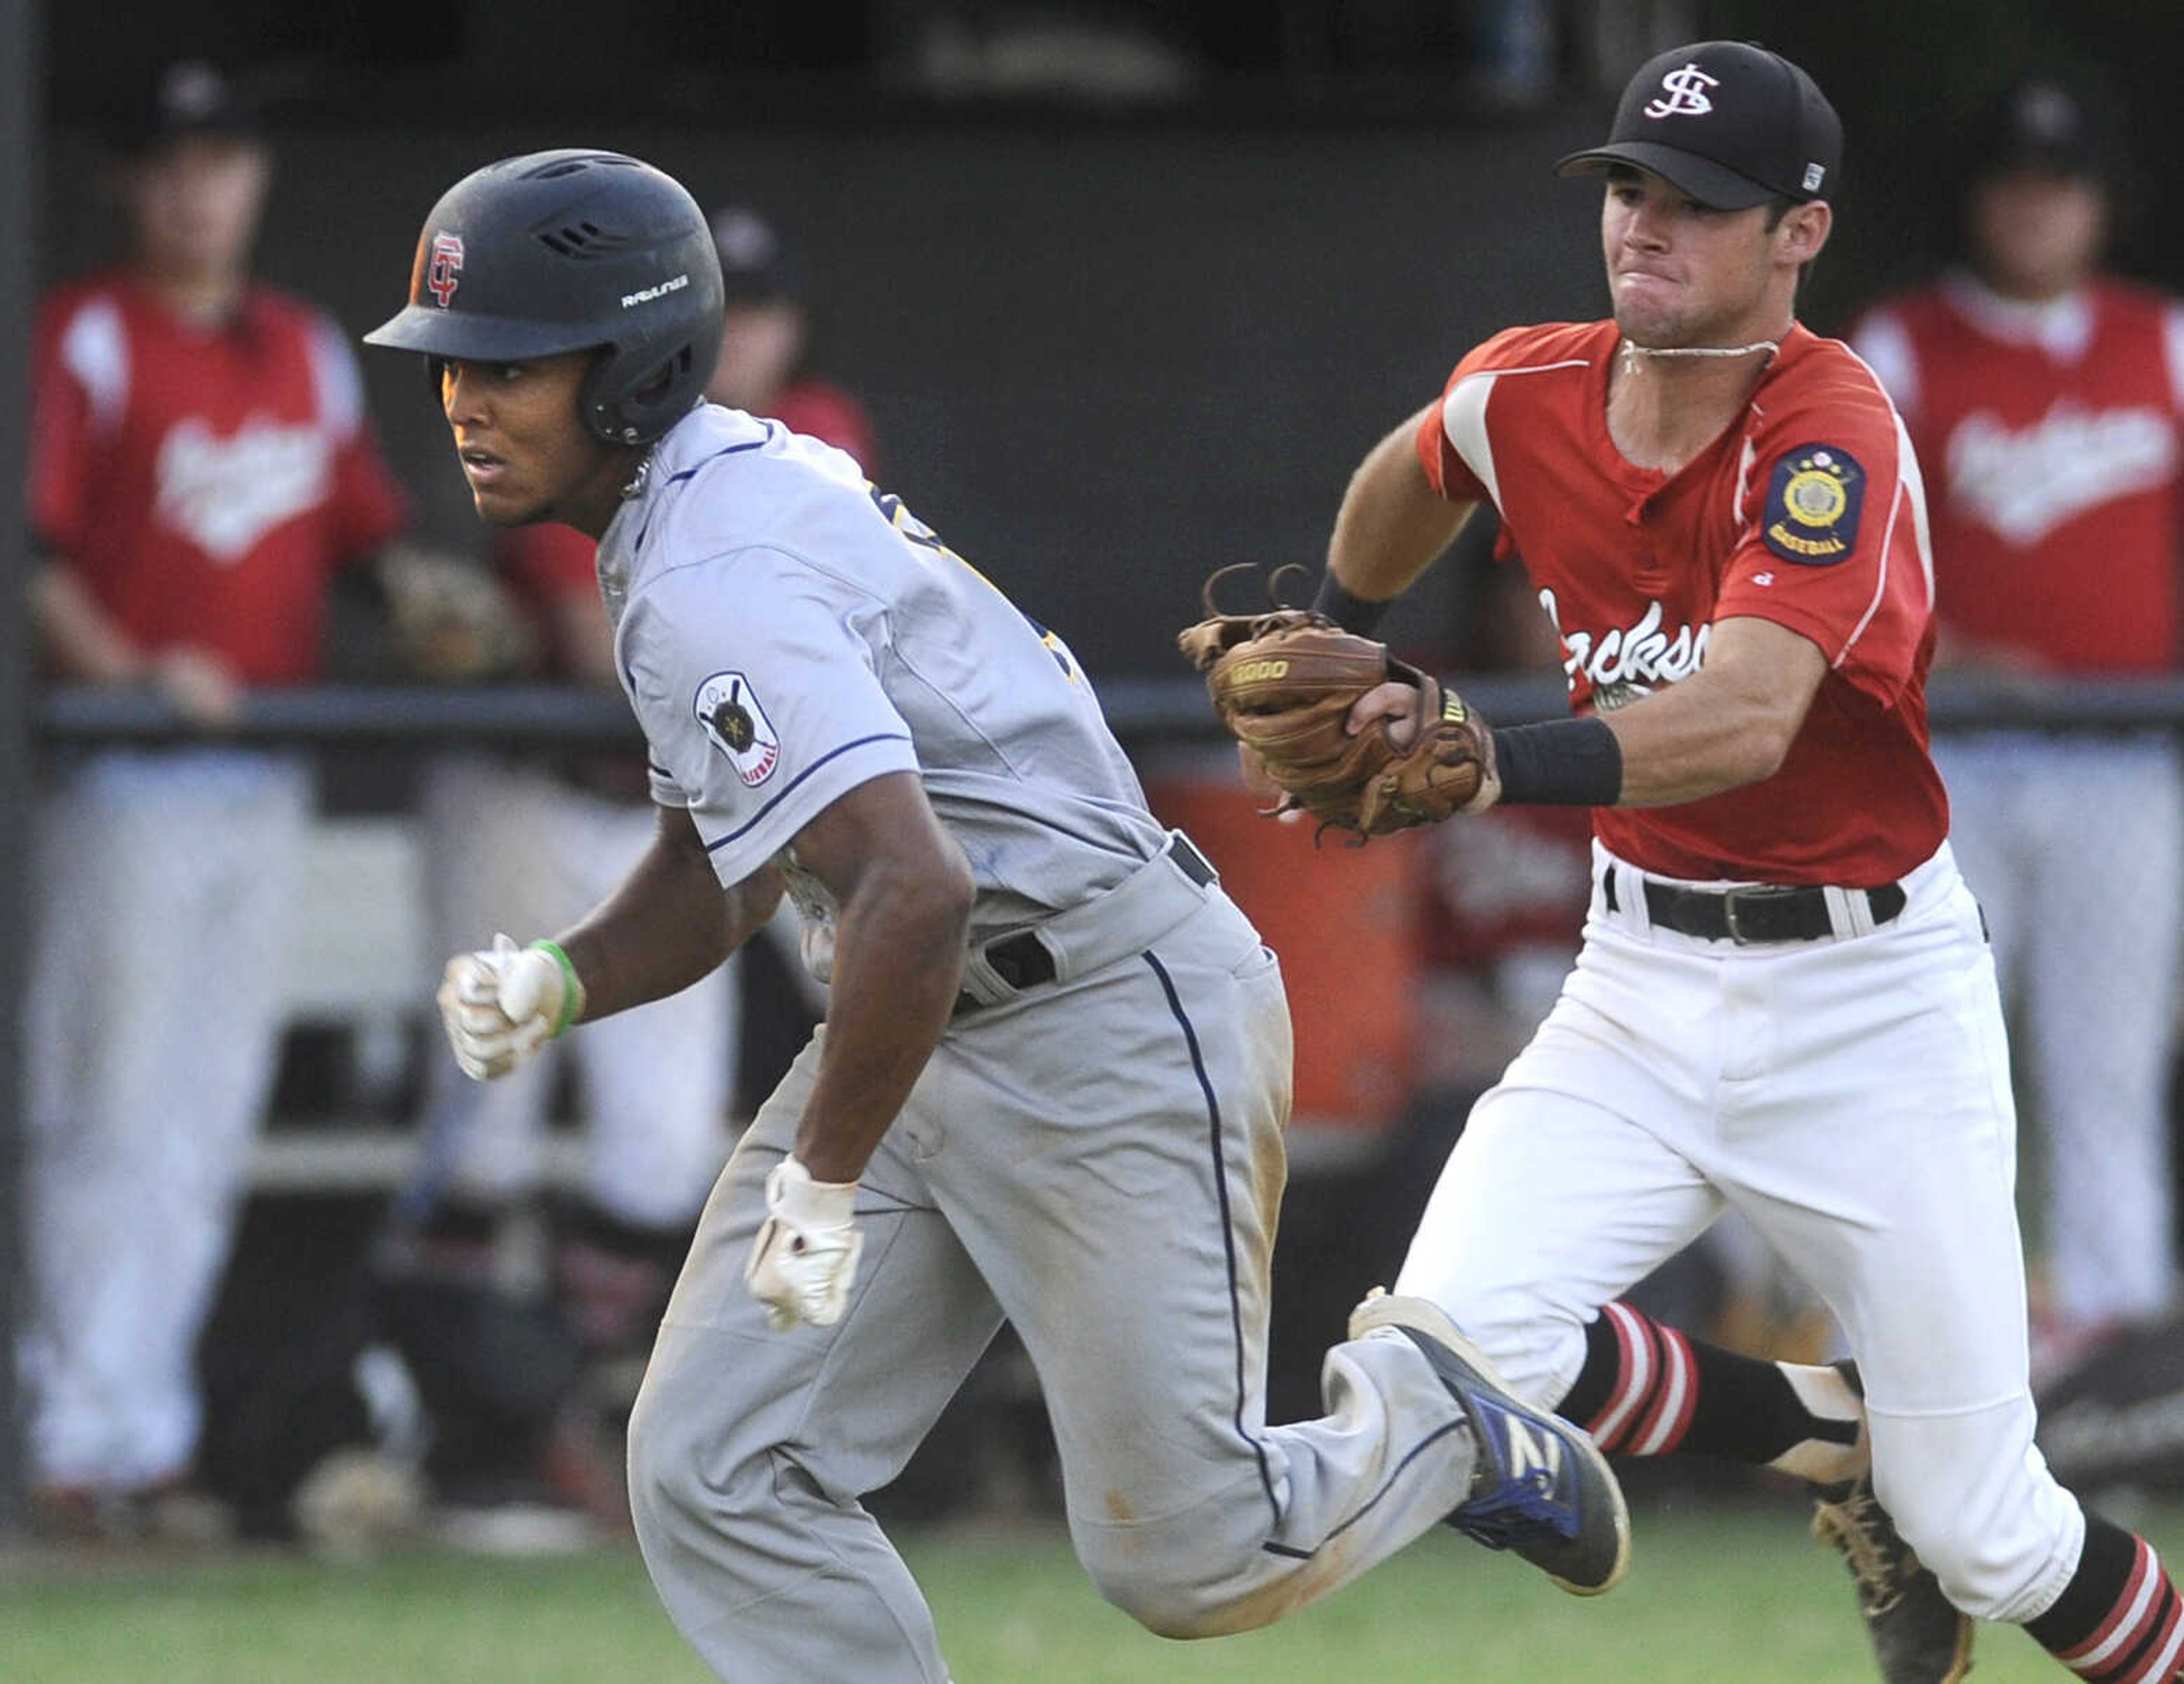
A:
{"points": [[786, 631]]}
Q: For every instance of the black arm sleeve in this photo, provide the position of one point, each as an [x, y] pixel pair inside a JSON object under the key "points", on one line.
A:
{"points": [[1561, 763]]}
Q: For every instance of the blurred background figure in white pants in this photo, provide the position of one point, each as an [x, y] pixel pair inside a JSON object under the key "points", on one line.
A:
{"points": [[202, 466], [2044, 398], [512, 839]]}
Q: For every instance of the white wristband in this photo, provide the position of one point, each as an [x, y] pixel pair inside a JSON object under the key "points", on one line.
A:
{"points": [[792, 1196]]}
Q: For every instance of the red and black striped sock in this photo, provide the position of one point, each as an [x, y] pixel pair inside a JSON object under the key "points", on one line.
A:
{"points": [[2117, 1621], [1648, 1390]]}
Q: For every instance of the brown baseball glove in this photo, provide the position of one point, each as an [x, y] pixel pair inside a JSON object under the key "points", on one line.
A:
{"points": [[1284, 683]]}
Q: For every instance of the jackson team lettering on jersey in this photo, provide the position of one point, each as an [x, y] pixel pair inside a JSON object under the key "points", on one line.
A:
{"points": [[2050, 434], [206, 481], [1806, 511]]}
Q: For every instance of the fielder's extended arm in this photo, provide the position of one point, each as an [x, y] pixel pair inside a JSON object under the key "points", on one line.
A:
{"points": [[1728, 724], [1391, 526]]}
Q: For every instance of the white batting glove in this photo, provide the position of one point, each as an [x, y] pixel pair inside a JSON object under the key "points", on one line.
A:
{"points": [[501, 1006], [804, 1259]]}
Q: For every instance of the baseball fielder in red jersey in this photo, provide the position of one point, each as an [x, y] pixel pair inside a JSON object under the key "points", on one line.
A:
{"points": [[2046, 399], [201, 465], [1785, 1002]]}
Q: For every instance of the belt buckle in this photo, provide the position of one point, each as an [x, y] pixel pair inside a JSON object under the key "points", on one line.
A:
{"points": [[1190, 860], [1728, 904]]}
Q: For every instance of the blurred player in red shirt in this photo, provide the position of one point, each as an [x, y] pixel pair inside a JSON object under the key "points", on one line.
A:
{"points": [[202, 464], [524, 839], [766, 340], [2044, 399]]}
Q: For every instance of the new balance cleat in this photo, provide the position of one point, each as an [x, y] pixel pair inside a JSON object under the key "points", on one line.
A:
{"points": [[1542, 1488], [1919, 1636]]}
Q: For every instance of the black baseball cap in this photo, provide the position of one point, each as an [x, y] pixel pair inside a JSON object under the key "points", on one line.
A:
{"points": [[1727, 121], [756, 264], [186, 99], [2040, 123]]}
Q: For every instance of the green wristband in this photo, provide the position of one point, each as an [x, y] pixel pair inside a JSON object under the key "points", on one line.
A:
{"points": [[573, 989]]}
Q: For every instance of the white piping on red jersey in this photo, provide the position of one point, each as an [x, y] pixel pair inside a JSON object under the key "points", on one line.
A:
{"points": [[95, 349], [1910, 487], [1908, 475], [1745, 461], [339, 383], [1463, 418]]}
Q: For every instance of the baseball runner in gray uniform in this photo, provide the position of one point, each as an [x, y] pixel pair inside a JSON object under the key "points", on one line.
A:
{"points": [[1056, 1071]]}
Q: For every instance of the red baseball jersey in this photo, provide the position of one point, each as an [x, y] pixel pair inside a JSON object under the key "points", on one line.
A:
{"points": [[206, 481], [1806, 511], [2050, 431]]}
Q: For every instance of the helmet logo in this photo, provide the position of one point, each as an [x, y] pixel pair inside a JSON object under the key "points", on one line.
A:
{"points": [[645, 295], [445, 274]]}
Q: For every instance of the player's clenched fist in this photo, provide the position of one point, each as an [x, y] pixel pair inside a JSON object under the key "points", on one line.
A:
{"points": [[500, 1005], [804, 1259]]}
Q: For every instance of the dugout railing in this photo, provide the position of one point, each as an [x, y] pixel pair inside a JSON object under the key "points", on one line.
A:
{"points": [[362, 965], [420, 718]]}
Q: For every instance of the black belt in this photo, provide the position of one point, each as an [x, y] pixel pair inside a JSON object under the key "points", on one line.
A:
{"points": [[1023, 960], [1752, 916]]}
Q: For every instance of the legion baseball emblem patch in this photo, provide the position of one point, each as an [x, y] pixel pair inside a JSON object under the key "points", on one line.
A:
{"points": [[1813, 506], [729, 710]]}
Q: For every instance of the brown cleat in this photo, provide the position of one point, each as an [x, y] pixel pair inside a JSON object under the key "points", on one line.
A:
{"points": [[1919, 1636]]}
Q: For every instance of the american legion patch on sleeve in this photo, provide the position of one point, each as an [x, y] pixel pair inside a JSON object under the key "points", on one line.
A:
{"points": [[729, 710], [1813, 506]]}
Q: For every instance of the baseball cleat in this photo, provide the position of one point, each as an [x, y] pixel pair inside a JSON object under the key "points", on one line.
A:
{"points": [[1918, 1637], [1542, 1488]]}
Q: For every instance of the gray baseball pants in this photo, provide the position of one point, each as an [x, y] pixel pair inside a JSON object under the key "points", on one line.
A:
{"points": [[1099, 1161]]}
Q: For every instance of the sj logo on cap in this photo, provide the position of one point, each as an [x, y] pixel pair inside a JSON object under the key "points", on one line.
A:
{"points": [[1686, 93], [1813, 506]]}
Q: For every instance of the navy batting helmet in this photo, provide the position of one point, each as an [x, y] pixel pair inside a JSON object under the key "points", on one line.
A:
{"points": [[572, 250]]}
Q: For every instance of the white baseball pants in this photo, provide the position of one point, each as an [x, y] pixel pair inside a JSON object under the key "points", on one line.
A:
{"points": [[1099, 1161], [2074, 846], [1851, 1096], [168, 885]]}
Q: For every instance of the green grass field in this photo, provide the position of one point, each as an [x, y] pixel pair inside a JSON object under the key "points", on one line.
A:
{"points": [[1717, 1592]]}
